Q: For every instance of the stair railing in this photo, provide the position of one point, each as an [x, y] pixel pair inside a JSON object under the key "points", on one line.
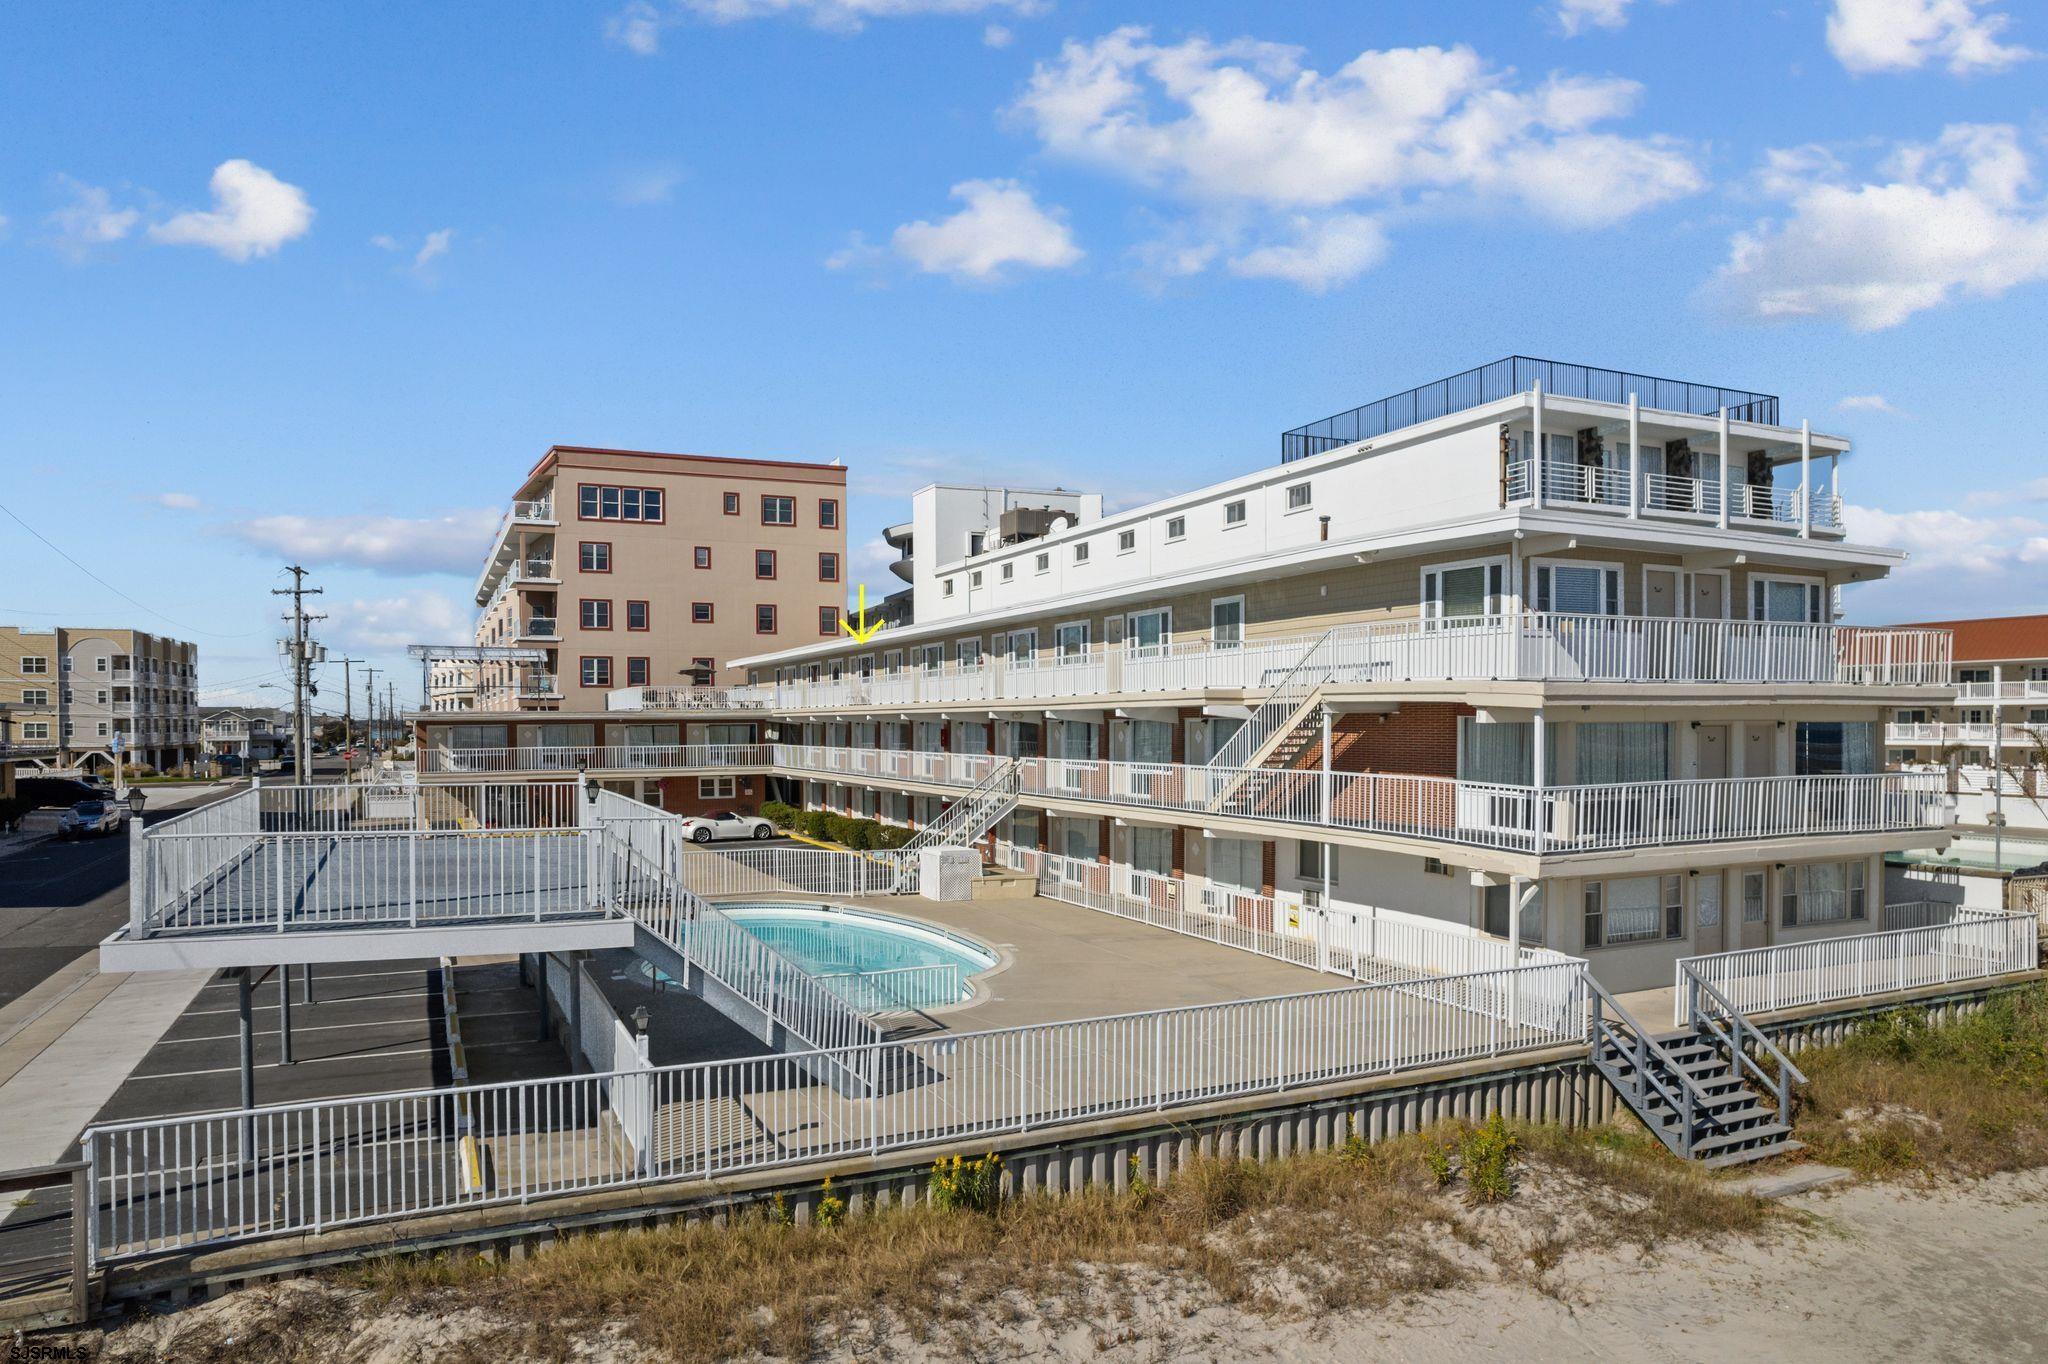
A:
{"points": [[1702, 1001], [1688, 1100], [970, 817], [1281, 704]]}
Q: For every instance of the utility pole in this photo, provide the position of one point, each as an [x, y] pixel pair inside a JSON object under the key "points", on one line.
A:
{"points": [[300, 652], [391, 710], [370, 711], [348, 724]]}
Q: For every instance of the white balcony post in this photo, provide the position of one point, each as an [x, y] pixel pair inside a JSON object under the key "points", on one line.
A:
{"points": [[1727, 483], [1834, 483], [1536, 454], [1805, 478], [1537, 794], [1997, 765], [1635, 458]]}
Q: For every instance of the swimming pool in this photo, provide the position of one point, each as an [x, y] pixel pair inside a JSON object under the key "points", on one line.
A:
{"points": [[1973, 851], [872, 960]]}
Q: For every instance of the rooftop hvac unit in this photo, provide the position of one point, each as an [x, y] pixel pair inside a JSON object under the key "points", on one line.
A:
{"points": [[1030, 523]]}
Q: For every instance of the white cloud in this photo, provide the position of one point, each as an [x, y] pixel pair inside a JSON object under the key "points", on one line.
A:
{"points": [[1576, 16], [997, 35], [858, 253], [1869, 36], [176, 501], [391, 623], [453, 542], [384, 241], [1001, 225], [1243, 125], [1868, 402], [647, 185], [432, 249], [639, 26], [253, 214], [89, 220], [1954, 218], [1941, 540], [1327, 252]]}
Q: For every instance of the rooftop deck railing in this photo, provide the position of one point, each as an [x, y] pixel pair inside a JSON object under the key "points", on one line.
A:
{"points": [[1587, 486], [1441, 809], [1518, 374], [1527, 646], [175, 1184]]}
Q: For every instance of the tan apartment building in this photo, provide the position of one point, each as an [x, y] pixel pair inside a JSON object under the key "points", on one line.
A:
{"points": [[637, 568], [75, 690]]}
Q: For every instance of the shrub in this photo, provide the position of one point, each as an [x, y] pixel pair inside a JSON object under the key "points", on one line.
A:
{"points": [[839, 828], [778, 813], [862, 835], [811, 823], [960, 1185], [831, 1207], [1489, 1152], [1436, 1158], [890, 836]]}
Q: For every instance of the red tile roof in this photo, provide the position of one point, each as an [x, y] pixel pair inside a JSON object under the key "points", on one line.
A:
{"points": [[1993, 637]]}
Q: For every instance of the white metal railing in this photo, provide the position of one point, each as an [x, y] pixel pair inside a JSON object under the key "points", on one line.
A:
{"points": [[971, 816], [537, 570], [719, 873], [684, 698], [1481, 814], [594, 758], [538, 627], [531, 509], [1972, 945], [895, 989], [1280, 708], [2022, 689], [1533, 646], [1671, 493], [167, 1184], [1940, 732]]}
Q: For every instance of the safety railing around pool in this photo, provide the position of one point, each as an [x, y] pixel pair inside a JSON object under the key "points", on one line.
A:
{"points": [[1973, 945], [166, 1184], [895, 989]]}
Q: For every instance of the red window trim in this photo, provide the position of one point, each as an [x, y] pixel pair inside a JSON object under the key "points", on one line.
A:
{"points": [[646, 614], [833, 503], [829, 628], [821, 566], [581, 545], [710, 613], [646, 671], [774, 566], [704, 552], [773, 615], [780, 497], [602, 519], [606, 659], [731, 504], [592, 601]]}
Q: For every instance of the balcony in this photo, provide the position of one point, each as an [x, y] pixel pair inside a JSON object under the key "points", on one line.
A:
{"points": [[1975, 735], [2027, 689], [1575, 819], [597, 758], [539, 627], [1586, 487], [536, 571], [1533, 646]]}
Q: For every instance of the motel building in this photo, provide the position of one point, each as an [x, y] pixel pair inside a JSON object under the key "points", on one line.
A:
{"points": [[1538, 653]]}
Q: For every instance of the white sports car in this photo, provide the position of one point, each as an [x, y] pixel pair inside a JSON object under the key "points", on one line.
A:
{"points": [[726, 824]]}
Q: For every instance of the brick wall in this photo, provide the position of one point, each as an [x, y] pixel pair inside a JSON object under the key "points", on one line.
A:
{"points": [[679, 796], [1419, 739]]}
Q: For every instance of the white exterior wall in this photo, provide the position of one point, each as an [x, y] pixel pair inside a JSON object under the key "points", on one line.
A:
{"points": [[943, 517]]}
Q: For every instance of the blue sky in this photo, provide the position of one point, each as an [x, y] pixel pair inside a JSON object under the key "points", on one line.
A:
{"points": [[320, 282]]}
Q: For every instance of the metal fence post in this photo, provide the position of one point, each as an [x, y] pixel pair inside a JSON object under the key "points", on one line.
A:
{"points": [[412, 877], [138, 879]]}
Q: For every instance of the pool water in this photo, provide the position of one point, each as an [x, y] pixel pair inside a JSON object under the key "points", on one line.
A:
{"points": [[841, 947], [1974, 852]]}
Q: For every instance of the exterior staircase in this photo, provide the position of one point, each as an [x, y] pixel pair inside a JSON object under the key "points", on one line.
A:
{"points": [[1281, 727], [1700, 1092], [987, 803]]}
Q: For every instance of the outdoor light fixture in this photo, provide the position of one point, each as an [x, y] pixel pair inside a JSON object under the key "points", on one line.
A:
{"points": [[136, 797], [640, 1019]]}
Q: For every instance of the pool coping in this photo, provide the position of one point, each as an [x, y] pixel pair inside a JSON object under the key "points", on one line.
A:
{"points": [[980, 992]]}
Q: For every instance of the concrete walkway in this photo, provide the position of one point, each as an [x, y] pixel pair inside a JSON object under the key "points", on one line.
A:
{"points": [[67, 1045]]}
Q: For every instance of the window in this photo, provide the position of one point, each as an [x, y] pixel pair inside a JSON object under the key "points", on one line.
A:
{"points": [[828, 568], [703, 556], [1753, 897], [35, 696], [717, 788], [764, 619], [1461, 593], [976, 540], [636, 672], [1577, 589], [1152, 849], [595, 615], [1633, 909], [969, 651], [35, 729], [1145, 631], [1312, 857], [702, 671], [1607, 752], [700, 613], [1081, 552], [636, 615], [974, 579], [1226, 622], [828, 513], [828, 620], [1009, 571], [1043, 563], [778, 511], [597, 672], [602, 502], [1176, 527], [35, 663], [1297, 496], [1785, 599], [1126, 541], [946, 588], [1233, 513], [764, 563], [1070, 642], [1822, 893], [594, 556], [1827, 748]]}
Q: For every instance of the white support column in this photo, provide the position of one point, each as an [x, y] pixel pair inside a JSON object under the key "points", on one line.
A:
{"points": [[1805, 479], [1538, 797], [1635, 458], [1834, 481], [1516, 892], [1727, 484], [1536, 441], [1997, 765]]}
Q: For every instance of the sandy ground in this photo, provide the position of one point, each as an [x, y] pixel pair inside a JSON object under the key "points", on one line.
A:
{"points": [[1870, 1273]]}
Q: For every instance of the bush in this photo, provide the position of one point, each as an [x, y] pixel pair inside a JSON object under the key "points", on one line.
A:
{"points": [[811, 823], [891, 836], [968, 1185], [776, 812], [1489, 1152]]}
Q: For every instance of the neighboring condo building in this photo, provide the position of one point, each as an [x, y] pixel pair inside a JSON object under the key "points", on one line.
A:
{"points": [[637, 568], [1544, 652], [1990, 730], [73, 690]]}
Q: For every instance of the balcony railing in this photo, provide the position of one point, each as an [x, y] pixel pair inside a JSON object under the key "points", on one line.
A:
{"points": [[1534, 646], [2024, 689], [539, 627], [537, 570], [1596, 486], [596, 758], [2026, 736], [538, 509], [1442, 809]]}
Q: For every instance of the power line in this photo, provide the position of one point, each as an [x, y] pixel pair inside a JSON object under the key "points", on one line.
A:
{"points": [[215, 634]]}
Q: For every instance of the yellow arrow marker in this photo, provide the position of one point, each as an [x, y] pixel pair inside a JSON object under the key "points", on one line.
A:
{"points": [[865, 631]]}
